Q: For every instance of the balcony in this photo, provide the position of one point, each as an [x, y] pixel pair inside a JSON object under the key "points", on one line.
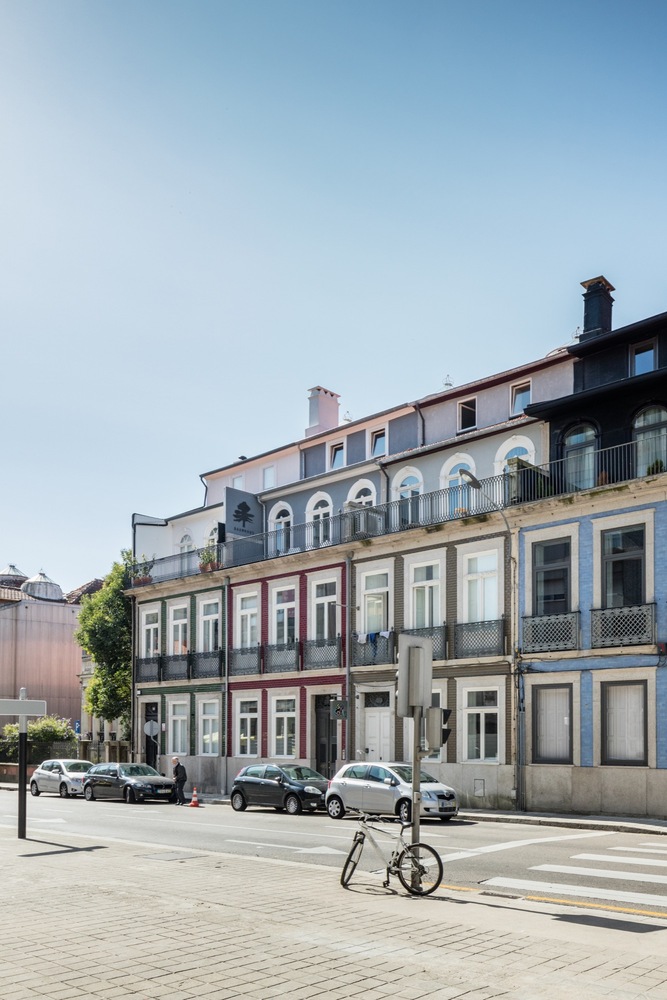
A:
{"points": [[549, 633], [372, 648], [631, 626], [281, 656], [479, 639], [523, 483], [203, 665], [318, 654], [439, 635], [245, 660]]}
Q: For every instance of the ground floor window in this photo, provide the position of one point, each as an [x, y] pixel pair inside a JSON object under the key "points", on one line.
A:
{"points": [[178, 727], [624, 736], [209, 728], [480, 712], [552, 724], [285, 727], [248, 726]]}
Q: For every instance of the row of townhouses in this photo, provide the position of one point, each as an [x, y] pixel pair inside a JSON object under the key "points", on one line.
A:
{"points": [[520, 521]]}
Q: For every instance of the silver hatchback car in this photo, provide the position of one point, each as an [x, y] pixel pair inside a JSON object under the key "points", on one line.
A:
{"points": [[62, 776], [387, 789]]}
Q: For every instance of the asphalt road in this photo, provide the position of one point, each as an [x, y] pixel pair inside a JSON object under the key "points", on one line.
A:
{"points": [[622, 872]]}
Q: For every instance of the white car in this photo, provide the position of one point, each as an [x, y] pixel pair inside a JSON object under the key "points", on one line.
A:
{"points": [[62, 776], [387, 788]]}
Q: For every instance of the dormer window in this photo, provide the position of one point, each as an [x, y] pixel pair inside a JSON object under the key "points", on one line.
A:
{"points": [[337, 456], [468, 415], [378, 444], [643, 358], [520, 399]]}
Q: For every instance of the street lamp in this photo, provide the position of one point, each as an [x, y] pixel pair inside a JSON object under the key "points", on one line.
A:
{"points": [[473, 481]]}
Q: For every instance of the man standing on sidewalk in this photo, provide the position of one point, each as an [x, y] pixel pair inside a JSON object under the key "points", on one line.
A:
{"points": [[180, 777]]}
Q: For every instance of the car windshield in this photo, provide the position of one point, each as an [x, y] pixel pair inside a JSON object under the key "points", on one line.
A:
{"points": [[77, 766], [138, 771], [404, 771], [298, 773]]}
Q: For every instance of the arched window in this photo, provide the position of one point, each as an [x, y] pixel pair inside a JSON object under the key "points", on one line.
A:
{"points": [[649, 430], [318, 513], [186, 544], [516, 446], [409, 488], [186, 548], [280, 526], [363, 492], [579, 454], [458, 497]]}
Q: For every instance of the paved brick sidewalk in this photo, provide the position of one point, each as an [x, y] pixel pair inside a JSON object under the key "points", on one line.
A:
{"points": [[86, 919]]}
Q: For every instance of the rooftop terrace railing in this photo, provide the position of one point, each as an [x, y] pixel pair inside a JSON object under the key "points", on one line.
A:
{"points": [[521, 483]]}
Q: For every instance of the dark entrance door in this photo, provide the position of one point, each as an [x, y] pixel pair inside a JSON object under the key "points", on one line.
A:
{"points": [[151, 733], [325, 736]]}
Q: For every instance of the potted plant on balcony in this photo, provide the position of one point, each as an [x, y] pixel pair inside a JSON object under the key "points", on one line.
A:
{"points": [[208, 559], [142, 571]]}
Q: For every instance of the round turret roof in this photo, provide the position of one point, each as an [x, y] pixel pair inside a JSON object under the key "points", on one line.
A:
{"points": [[10, 576], [41, 587]]}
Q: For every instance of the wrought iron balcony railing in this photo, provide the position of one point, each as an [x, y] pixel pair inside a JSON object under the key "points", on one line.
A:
{"points": [[439, 635], [548, 633], [206, 664], [281, 656], [522, 483], [245, 660], [631, 626], [479, 639], [372, 648], [321, 653]]}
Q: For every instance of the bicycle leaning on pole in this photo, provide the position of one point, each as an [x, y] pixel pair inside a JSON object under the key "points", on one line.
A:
{"points": [[418, 866]]}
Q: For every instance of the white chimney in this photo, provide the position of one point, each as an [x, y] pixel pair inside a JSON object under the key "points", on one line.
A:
{"points": [[323, 410]]}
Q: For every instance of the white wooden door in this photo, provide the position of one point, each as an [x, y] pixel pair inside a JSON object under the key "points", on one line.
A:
{"points": [[378, 734]]}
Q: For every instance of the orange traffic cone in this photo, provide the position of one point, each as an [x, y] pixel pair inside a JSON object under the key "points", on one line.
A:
{"points": [[194, 801]]}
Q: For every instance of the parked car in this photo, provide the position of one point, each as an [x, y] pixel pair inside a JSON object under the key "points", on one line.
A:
{"points": [[387, 789], [130, 782], [62, 776], [292, 787]]}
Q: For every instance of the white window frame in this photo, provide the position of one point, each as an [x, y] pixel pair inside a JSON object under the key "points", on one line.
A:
{"points": [[320, 516], [247, 697], [178, 726], [269, 481], [373, 436], [208, 726], [564, 678], [315, 602], [237, 482], [509, 444], [459, 414], [242, 619], [416, 560], [282, 527], [470, 550], [465, 685], [276, 587], [643, 518], [280, 725], [183, 625], [336, 447], [363, 484], [362, 576], [202, 619], [152, 649], [515, 389]]}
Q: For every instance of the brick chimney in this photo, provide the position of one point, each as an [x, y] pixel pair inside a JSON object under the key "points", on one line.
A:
{"points": [[323, 410], [597, 307]]}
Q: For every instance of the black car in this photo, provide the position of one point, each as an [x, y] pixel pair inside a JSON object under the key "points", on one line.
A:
{"points": [[292, 787], [129, 782]]}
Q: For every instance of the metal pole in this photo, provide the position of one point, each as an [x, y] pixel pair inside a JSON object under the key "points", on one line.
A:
{"points": [[23, 767], [416, 791]]}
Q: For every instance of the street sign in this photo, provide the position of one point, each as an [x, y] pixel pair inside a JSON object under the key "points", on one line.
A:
{"points": [[21, 706], [414, 677], [338, 710], [151, 728]]}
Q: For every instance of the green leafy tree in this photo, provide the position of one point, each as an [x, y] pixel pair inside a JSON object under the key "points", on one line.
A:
{"points": [[105, 633]]}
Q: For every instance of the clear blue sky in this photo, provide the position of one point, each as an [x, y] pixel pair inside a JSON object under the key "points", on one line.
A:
{"points": [[209, 207]]}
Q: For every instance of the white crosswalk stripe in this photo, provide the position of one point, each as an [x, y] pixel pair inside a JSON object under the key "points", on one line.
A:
{"points": [[562, 890]]}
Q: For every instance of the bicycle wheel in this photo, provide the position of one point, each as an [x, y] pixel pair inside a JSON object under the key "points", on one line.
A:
{"points": [[419, 868], [352, 860]]}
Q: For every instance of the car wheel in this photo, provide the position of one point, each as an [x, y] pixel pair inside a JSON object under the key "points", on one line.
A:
{"points": [[88, 793], [34, 790], [238, 802], [293, 805], [404, 811], [129, 796], [64, 793], [335, 807]]}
